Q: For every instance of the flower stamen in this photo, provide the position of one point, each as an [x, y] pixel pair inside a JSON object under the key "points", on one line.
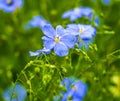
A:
{"points": [[57, 39], [80, 31], [9, 1]]}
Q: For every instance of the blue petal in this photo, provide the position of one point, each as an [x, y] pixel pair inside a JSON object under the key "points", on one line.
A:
{"points": [[35, 53], [6, 96], [60, 30], [61, 49], [56, 98], [106, 2], [72, 29], [73, 26], [86, 11], [80, 89], [66, 82], [45, 50], [48, 42], [19, 3], [10, 8], [84, 43], [76, 99], [18, 89], [66, 14], [88, 31], [65, 97], [73, 17], [97, 21], [49, 31], [69, 40]]}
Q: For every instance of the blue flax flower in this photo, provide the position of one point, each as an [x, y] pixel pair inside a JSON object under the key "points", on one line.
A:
{"points": [[10, 5], [84, 33], [38, 52], [75, 90], [58, 39], [15, 93], [37, 21], [76, 13]]}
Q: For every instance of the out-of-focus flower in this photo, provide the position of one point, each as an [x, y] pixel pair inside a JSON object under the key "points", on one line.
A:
{"points": [[58, 39], [84, 33], [75, 90], [76, 13], [15, 93], [37, 21], [96, 21], [10, 5], [106, 2], [38, 52]]}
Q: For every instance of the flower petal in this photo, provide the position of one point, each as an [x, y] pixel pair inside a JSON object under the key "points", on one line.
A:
{"points": [[72, 29], [49, 31], [61, 49], [84, 43], [48, 42], [74, 17], [88, 31], [66, 14], [35, 53], [69, 40], [80, 89], [60, 30], [73, 26]]}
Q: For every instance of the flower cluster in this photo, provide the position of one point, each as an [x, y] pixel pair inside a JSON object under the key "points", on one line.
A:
{"points": [[74, 90], [15, 93], [62, 39], [10, 5]]}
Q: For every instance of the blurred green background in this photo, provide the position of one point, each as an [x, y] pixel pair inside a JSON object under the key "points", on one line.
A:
{"points": [[16, 42]]}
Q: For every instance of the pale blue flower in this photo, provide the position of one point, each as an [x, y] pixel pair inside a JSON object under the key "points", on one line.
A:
{"points": [[75, 90], [58, 39], [76, 13], [10, 5], [38, 52], [15, 93], [83, 31], [37, 21], [84, 34]]}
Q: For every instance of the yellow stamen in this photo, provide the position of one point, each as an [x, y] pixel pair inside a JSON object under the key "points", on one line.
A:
{"points": [[9, 1], [57, 39], [80, 31]]}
